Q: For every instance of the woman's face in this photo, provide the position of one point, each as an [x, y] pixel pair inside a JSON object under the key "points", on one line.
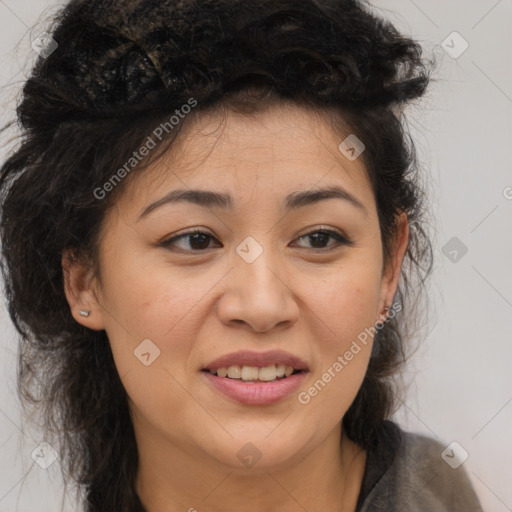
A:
{"points": [[172, 303]]}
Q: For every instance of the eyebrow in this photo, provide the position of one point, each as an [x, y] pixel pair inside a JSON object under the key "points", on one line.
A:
{"points": [[211, 199]]}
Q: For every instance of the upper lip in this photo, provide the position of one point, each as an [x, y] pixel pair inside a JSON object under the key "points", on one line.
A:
{"points": [[259, 359]]}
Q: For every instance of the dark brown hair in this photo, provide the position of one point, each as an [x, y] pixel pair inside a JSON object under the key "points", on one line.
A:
{"points": [[121, 69]]}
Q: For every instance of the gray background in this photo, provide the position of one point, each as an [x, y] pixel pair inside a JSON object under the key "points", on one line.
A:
{"points": [[460, 385]]}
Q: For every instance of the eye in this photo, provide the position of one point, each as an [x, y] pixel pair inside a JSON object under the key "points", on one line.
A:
{"points": [[197, 241], [322, 236]]}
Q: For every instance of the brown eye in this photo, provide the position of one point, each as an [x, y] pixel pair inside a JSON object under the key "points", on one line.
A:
{"points": [[195, 240], [320, 238]]}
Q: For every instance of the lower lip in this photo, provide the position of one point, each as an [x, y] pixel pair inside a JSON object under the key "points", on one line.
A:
{"points": [[256, 393]]}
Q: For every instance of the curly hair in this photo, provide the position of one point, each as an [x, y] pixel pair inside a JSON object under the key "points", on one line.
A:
{"points": [[121, 68]]}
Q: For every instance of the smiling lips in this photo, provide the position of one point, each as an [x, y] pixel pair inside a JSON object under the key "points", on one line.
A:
{"points": [[256, 378], [257, 359], [253, 373]]}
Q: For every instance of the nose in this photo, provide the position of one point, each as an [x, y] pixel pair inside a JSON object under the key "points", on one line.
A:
{"points": [[258, 296]]}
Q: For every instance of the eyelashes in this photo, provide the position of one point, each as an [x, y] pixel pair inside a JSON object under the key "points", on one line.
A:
{"points": [[201, 240]]}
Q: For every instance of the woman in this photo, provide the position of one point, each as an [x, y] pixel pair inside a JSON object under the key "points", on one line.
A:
{"points": [[212, 231]]}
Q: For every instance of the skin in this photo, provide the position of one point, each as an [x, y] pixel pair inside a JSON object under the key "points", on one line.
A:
{"points": [[195, 306]]}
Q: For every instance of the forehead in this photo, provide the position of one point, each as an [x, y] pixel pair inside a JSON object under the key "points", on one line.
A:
{"points": [[278, 150]]}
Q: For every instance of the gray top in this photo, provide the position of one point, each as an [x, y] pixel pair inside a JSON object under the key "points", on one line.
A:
{"points": [[406, 473]]}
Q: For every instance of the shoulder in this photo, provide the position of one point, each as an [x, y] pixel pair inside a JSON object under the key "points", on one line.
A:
{"points": [[420, 480]]}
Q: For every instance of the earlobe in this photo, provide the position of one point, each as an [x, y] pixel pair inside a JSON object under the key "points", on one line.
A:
{"points": [[79, 288]]}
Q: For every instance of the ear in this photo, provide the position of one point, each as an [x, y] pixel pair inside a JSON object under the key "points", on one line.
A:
{"points": [[81, 294], [391, 272]]}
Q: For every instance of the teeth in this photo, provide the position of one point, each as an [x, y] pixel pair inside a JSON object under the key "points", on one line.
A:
{"points": [[222, 372], [235, 372], [251, 373], [267, 373]]}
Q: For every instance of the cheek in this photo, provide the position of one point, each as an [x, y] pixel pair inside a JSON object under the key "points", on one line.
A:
{"points": [[345, 307], [147, 296], [164, 307], [347, 302], [144, 301], [331, 391], [343, 357]]}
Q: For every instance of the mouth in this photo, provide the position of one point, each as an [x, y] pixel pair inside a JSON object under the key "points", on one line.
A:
{"points": [[251, 365], [270, 373], [256, 378]]}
